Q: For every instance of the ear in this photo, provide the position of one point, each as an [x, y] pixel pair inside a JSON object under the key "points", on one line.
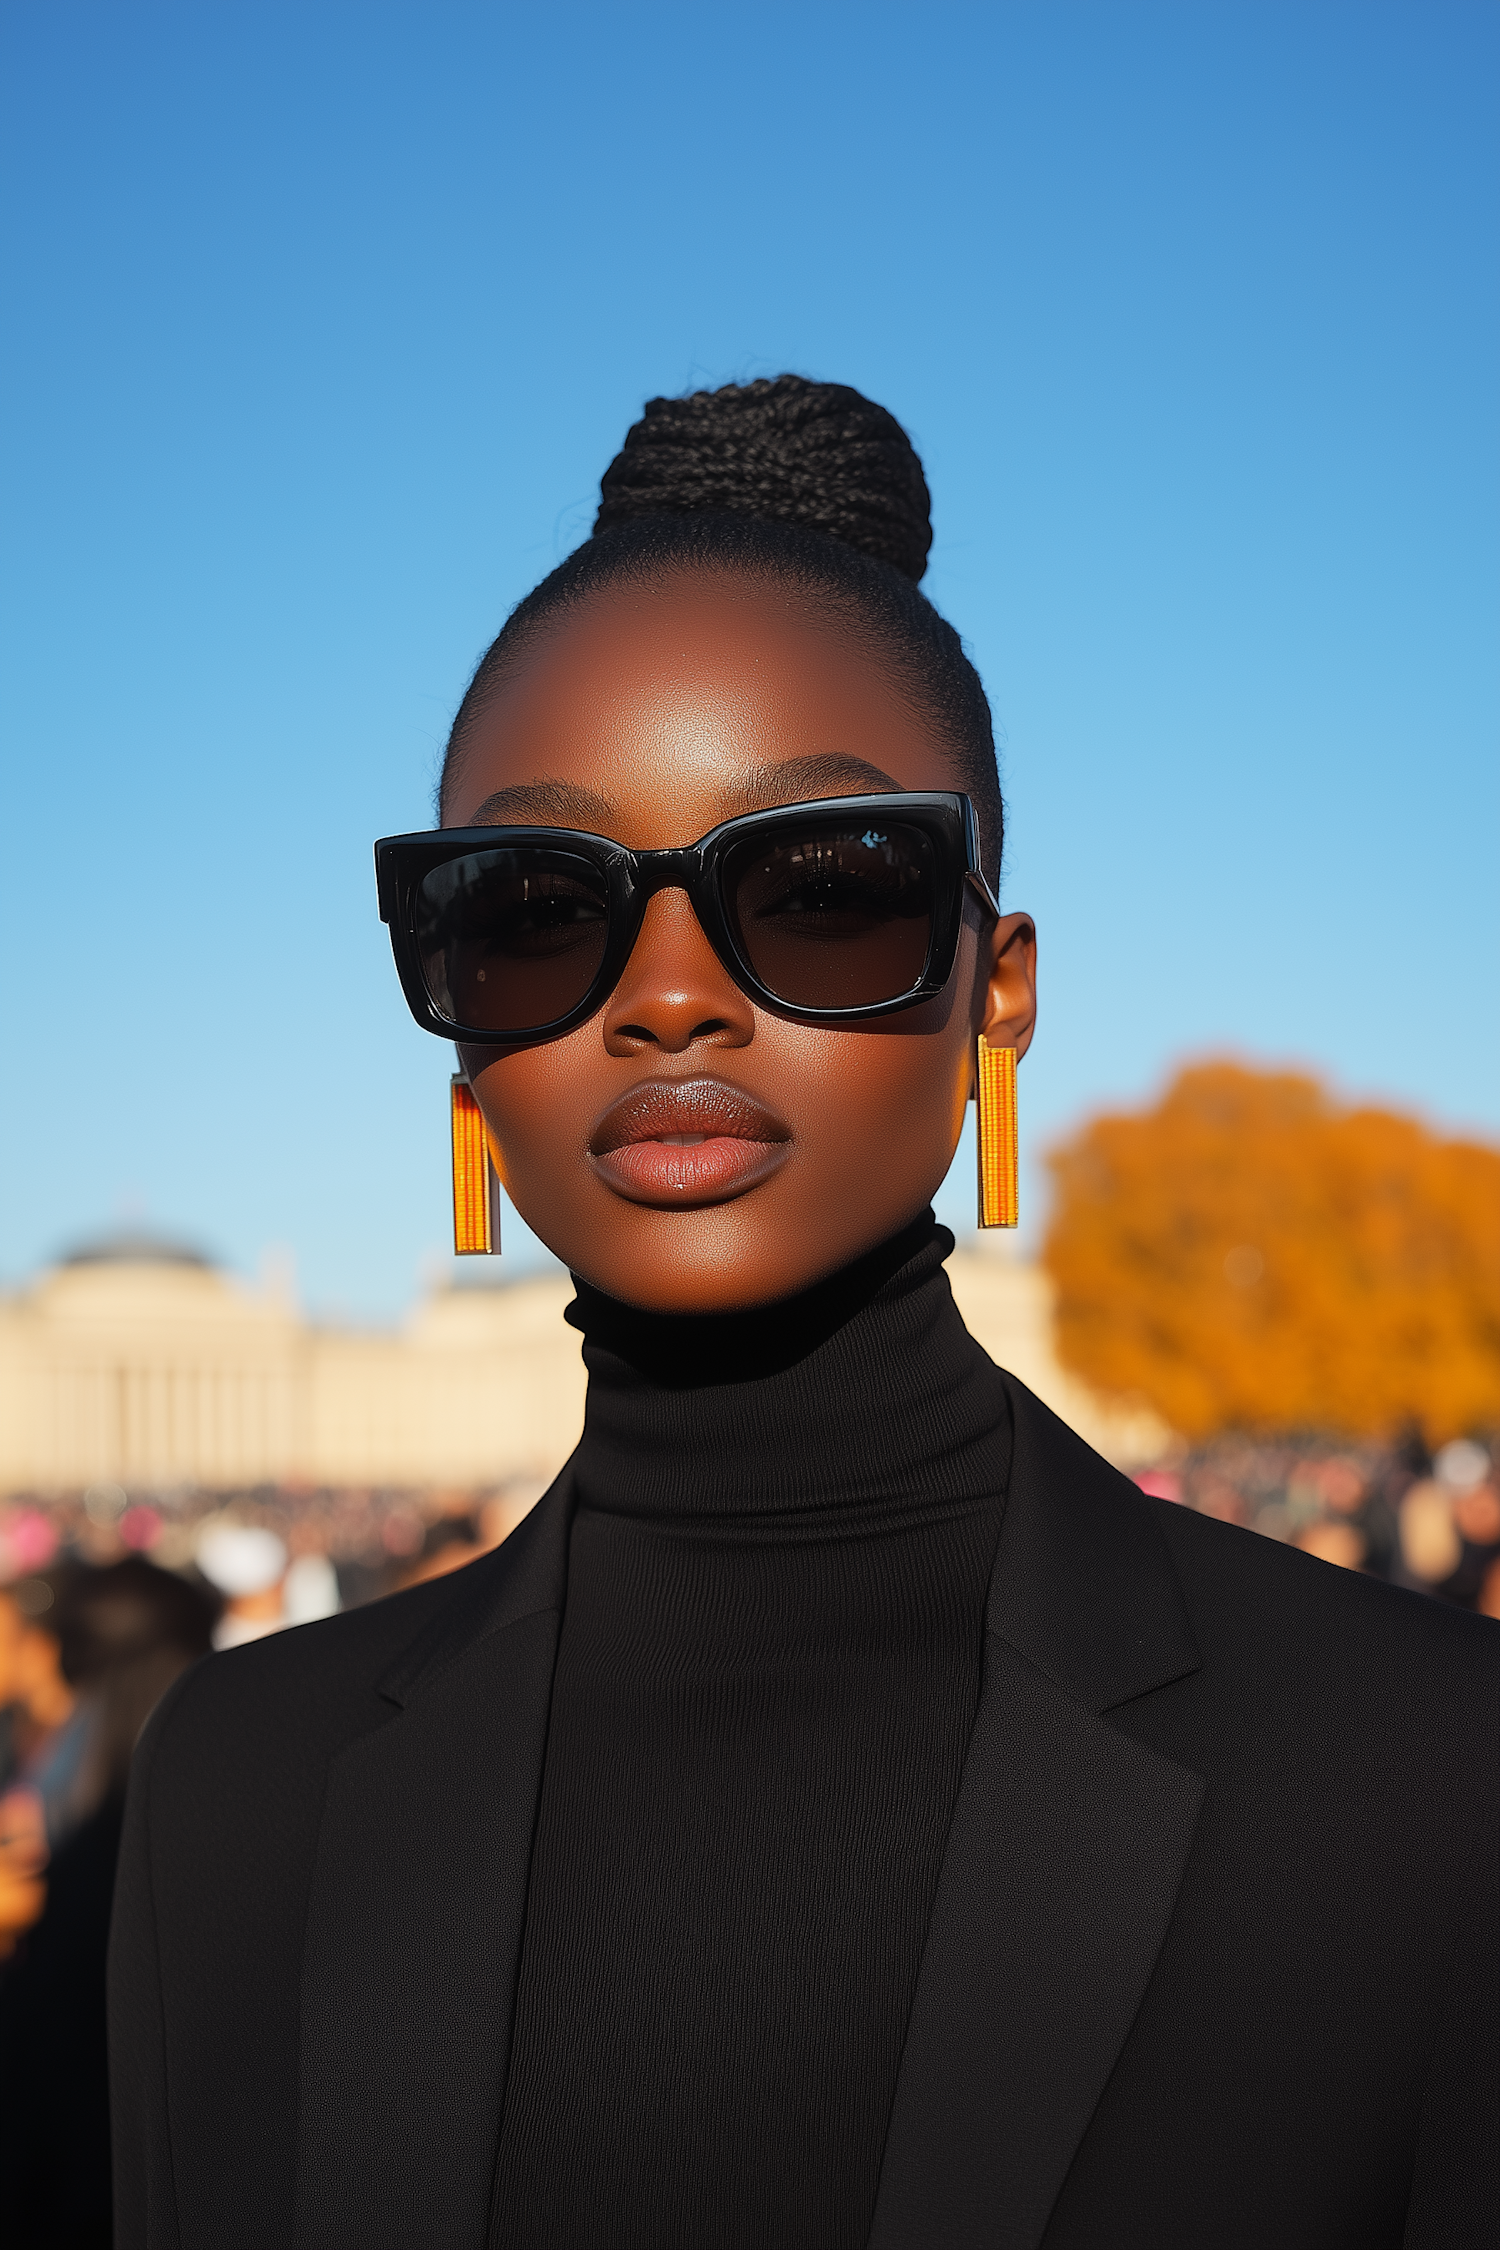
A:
{"points": [[1005, 1002]]}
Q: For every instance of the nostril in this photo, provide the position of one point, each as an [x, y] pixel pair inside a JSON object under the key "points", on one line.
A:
{"points": [[710, 1028]]}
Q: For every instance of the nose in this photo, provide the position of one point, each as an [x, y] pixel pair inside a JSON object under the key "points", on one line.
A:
{"points": [[675, 992]]}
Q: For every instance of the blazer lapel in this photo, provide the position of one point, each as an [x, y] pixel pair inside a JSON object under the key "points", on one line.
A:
{"points": [[416, 1910], [1063, 1863]]}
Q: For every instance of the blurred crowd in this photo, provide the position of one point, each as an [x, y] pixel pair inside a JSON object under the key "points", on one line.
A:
{"points": [[76, 1686], [1428, 1522], [107, 1596], [104, 1599], [322, 1550]]}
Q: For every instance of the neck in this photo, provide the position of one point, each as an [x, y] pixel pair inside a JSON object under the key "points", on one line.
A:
{"points": [[865, 1391]]}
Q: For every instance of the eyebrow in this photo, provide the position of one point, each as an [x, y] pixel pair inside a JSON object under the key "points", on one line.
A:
{"points": [[545, 804], [790, 781], [795, 780]]}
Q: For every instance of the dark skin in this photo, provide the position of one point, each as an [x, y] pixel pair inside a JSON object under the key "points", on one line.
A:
{"points": [[649, 715]]}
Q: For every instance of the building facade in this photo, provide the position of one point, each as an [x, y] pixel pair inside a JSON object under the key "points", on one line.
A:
{"points": [[140, 1364]]}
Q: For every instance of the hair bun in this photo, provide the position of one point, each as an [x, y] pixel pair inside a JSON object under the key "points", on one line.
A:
{"points": [[818, 455]]}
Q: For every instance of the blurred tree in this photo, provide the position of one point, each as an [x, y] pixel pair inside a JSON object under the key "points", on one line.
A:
{"points": [[1250, 1255]]}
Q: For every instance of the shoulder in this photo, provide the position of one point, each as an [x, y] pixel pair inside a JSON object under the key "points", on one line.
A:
{"points": [[1230, 1570], [267, 1717], [1281, 1657], [1333, 1653], [292, 1698]]}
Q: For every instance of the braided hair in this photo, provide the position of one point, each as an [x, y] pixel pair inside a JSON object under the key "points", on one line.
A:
{"points": [[808, 484]]}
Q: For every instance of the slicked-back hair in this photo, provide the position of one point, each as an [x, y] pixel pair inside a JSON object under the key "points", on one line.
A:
{"points": [[808, 486]]}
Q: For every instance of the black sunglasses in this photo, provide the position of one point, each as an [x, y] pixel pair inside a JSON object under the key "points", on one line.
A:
{"points": [[830, 911]]}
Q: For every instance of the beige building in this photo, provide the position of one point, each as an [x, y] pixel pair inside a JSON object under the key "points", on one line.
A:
{"points": [[140, 1364]]}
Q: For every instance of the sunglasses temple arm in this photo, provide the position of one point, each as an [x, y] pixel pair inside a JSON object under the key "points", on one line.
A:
{"points": [[982, 887]]}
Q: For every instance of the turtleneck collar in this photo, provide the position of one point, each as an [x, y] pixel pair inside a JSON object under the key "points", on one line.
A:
{"points": [[865, 1391]]}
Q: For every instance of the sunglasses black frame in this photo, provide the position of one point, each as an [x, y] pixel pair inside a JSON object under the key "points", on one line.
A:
{"points": [[946, 819]]}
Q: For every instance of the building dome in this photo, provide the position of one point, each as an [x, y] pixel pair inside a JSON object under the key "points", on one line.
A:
{"points": [[136, 1246]]}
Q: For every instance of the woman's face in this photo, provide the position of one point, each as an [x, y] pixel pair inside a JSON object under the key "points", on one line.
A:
{"points": [[686, 1149]]}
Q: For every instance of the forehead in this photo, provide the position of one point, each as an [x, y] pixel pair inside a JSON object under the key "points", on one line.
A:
{"points": [[658, 711]]}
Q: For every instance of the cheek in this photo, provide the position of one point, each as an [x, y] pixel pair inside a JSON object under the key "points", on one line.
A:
{"points": [[547, 1096], [922, 1088], [896, 1091], [908, 1079]]}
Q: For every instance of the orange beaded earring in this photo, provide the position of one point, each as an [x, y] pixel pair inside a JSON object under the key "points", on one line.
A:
{"points": [[999, 1146], [476, 1189]]}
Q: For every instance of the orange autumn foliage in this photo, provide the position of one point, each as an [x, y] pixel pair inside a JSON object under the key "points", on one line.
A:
{"points": [[1249, 1255]]}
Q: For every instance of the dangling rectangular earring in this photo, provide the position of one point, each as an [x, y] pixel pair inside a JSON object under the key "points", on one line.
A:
{"points": [[999, 1140], [476, 1190]]}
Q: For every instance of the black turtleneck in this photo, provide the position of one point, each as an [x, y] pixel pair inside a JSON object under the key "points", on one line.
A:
{"points": [[767, 1676]]}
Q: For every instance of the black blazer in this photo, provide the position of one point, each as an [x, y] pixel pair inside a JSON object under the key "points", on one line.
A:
{"points": [[1212, 1961]]}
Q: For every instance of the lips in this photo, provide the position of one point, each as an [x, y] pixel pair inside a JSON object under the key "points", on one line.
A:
{"points": [[678, 1143]]}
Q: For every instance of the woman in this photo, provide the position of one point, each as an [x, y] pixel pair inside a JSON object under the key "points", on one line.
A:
{"points": [[846, 1811]]}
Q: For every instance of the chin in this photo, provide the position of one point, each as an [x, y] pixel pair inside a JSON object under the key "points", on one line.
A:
{"points": [[722, 1258]]}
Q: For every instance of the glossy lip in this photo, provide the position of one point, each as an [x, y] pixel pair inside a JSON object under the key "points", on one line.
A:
{"points": [[681, 1143]]}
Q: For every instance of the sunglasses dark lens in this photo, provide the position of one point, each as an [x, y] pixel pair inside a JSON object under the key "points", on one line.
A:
{"points": [[834, 917], [511, 940]]}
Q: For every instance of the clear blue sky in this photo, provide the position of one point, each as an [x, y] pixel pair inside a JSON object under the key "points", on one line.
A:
{"points": [[324, 319]]}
